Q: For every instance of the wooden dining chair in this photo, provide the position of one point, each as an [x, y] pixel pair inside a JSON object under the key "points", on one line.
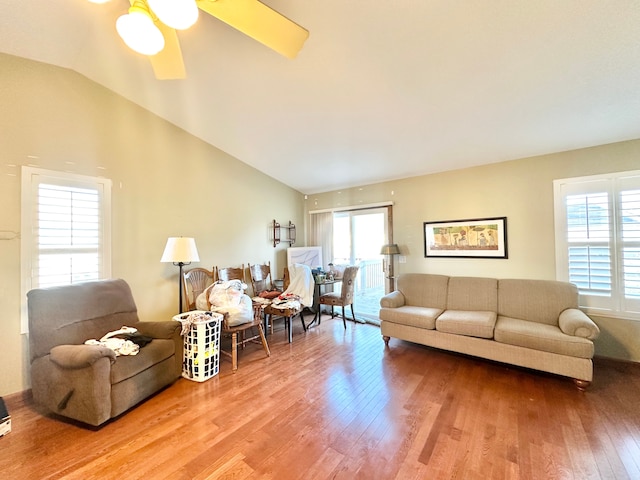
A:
{"points": [[194, 282], [239, 337], [240, 333], [229, 273], [272, 313], [261, 278]]}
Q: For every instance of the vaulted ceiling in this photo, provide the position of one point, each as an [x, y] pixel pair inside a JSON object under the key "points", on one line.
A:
{"points": [[380, 90]]}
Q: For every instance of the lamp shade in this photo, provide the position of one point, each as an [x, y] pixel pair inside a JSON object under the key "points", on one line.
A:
{"points": [[390, 249], [178, 14], [180, 250], [138, 31]]}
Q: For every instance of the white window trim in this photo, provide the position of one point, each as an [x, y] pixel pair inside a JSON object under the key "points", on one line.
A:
{"points": [[588, 184], [31, 178]]}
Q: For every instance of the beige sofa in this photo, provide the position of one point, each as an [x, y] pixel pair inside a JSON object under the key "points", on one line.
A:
{"points": [[530, 323], [86, 382]]}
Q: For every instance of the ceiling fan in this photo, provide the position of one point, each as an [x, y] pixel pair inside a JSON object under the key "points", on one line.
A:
{"points": [[150, 28]]}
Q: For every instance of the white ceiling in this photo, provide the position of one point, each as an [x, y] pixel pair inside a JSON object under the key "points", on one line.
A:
{"points": [[381, 89]]}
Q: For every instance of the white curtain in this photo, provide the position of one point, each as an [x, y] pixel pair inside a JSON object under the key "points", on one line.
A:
{"points": [[320, 234]]}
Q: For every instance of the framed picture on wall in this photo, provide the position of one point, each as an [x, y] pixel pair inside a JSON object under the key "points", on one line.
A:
{"points": [[473, 238]]}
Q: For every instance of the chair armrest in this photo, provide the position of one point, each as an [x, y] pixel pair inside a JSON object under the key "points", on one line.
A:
{"points": [[79, 356], [167, 329], [394, 299], [576, 323]]}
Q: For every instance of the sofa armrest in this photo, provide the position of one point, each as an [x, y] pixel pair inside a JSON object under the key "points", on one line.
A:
{"points": [[576, 323], [394, 299], [166, 329], [79, 356]]}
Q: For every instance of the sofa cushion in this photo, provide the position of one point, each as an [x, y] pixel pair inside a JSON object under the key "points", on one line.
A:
{"points": [[129, 365], [535, 300], [421, 317], [473, 293], [471, 324], [539, 336], [424, 289]]}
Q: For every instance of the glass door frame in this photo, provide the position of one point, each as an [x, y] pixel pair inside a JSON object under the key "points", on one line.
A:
{"points": [[368, 277]]}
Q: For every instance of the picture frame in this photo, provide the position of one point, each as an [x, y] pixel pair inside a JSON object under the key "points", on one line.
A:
{"points": [[310, 256], [469, 238]]}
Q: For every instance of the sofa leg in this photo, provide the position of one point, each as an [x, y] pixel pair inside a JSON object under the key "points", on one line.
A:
{"points": [[581, 384], [386, 340]]}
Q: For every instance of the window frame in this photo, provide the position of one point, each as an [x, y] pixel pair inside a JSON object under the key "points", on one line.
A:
{"points": [[32, 177], [615, 305]]}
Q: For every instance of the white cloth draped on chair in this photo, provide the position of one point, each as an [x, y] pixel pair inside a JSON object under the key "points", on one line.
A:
{"points": [[301, 283]]}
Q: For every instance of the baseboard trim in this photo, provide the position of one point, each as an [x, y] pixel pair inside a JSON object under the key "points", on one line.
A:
{"points": [[613, 360], [18, 399]]}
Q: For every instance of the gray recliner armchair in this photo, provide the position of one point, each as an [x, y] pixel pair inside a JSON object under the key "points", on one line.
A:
{"points": [[90, 383]]}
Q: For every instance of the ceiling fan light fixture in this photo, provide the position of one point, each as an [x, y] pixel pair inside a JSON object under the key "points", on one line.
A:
{"points": [[138, 31], [178, 14]]}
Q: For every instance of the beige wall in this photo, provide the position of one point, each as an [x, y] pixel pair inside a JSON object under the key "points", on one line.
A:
{"points": [[165, 183], [521, 190]]}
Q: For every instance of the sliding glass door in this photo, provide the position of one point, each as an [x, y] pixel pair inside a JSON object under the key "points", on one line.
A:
{"points": [[358, 236]]}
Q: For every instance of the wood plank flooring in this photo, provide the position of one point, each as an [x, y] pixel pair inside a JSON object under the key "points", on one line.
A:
{"points": [[336, 404]]}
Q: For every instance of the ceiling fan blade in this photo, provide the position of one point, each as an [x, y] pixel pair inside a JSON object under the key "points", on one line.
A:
{"points": [[168, 64], [260, 22]]}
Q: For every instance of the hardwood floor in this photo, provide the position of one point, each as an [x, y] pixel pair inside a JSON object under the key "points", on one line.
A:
{"points": [[336, 404]]}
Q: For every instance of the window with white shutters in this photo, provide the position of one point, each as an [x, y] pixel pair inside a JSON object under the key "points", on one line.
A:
{"points": [[65, 229], [67, 235], [598, 241]]}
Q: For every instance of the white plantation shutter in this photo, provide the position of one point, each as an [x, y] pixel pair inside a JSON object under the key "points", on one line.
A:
{"points": [[598, 240], [589, 249], [66, 229], [67, 235], [629, 220]]}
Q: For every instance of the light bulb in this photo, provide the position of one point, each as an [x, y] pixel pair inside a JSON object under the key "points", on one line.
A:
{"points": [[139, 33], [178, 14]]}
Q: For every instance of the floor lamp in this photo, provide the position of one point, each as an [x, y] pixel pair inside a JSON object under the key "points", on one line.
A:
{"points": [[180, 251], [390, 250]]}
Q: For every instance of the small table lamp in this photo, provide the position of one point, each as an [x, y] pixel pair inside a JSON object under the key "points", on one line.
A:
{"points": [[180, 251]]}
